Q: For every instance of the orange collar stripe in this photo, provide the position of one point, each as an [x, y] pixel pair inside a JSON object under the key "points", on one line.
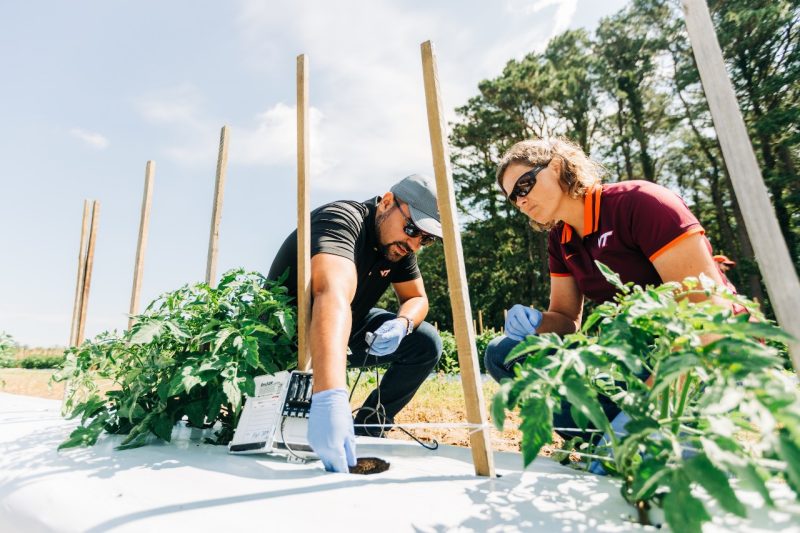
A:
{"points": [[599, 195], [591, 209], [566, 233]]}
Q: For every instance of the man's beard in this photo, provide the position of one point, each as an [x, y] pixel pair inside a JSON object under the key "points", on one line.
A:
{"points": [[386, 249]]}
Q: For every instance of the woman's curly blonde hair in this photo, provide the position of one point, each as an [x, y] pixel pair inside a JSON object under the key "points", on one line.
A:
{"points": [[578, 172]]}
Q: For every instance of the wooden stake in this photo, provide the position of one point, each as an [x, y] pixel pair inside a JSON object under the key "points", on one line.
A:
{"points": [[76, 306], [216, 211], [87, 278], [480, 442], [759, 216], [144, 222], [303, 218], [480, 321]]}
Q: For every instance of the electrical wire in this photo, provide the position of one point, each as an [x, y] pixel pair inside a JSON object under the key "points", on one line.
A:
{"points": [[379, 411]]}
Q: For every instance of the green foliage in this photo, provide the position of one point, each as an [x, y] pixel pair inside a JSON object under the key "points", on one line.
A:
{"points": [[193, 353], [449, 361], [713, 377], [41, 361], [629, 93], [7, 350]]}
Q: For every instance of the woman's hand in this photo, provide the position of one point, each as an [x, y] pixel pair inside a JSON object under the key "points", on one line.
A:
{"points": [[522, 321]]}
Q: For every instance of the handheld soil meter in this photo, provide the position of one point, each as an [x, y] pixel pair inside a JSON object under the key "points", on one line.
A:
{"points": [[275, 420]]}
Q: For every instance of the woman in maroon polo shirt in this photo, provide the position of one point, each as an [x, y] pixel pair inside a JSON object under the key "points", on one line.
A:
{"points": [[641, 230]]}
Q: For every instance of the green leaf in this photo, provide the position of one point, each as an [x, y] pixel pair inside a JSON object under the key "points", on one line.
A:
{"points": [[214, 405], [196, 413], [222, 336], [189, 380], [248, 386], [232, 392], [684, 513], [84, 435], [176, 331], [612, 277], [250, 351], [701, 470], [750, 477], [536, 427], [790, 453], [650, 475], [499, 405], [585, 400], [162, 427], [145, 331], [287, 323]]}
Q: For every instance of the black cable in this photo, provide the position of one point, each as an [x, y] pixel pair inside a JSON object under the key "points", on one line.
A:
{"points": [[379, 411]]}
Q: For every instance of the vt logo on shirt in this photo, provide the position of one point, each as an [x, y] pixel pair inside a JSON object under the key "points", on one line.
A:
{"points": [[385, 273], [601, 242]]}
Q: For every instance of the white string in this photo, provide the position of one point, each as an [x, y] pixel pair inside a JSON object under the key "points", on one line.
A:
{"points": [[769, 464], [457, 425]]}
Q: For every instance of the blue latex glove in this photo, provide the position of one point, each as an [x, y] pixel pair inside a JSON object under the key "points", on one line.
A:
{"points": [[387, 337], [330, 430], [618, 425], [522, 321]]}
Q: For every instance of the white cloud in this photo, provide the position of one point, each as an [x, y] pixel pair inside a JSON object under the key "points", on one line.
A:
{"points": [[95, 140], [173, 105], [368, 118]]}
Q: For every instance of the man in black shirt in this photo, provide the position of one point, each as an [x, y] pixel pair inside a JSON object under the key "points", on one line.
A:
{"points": [[357, 250]]}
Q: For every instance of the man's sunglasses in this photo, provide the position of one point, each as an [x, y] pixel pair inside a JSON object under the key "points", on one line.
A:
{"points": [[413, 231], [524, 184]]}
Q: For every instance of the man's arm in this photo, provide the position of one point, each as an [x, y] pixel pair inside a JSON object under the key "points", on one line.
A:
{"points": [[333, 287], [413, 300]]}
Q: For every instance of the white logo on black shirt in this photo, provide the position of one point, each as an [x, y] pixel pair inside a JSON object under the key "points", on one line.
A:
{"points": [[385, 273]]}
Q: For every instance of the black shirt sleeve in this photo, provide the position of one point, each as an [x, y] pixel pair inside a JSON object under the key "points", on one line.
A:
{"points": [[335, 230], [406, 270]]}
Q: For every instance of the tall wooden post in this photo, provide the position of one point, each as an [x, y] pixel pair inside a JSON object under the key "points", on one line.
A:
{"points": [[76, 306], [456, 274], [91, 215], [216, 210], [87, 277], [303, 218], [751, 193], [144, 222]]}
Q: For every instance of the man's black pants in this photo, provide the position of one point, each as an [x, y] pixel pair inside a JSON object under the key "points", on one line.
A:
{"points": [[409, 365]]}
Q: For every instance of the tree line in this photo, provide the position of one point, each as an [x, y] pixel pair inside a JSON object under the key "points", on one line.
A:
{"points": [[630, 94]]}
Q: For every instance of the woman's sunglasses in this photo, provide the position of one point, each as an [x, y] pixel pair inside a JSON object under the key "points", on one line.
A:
{"points": [[524, 184], [413, 231]]}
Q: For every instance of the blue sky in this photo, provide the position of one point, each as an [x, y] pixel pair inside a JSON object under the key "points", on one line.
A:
{"points": [[91, 90]]}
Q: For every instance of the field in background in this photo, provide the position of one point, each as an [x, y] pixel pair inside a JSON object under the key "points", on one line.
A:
{"points": [[439, 400]]}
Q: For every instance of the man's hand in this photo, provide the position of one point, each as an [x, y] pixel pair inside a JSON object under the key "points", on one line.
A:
{"points": [[387, 337], [330, 430], [522, 321]]}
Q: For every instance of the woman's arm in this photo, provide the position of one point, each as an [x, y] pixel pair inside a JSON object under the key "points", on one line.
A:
{"points": [[566, 307], [688, 257]]}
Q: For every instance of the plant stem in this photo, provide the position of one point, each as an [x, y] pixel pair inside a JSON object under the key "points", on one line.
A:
{"points": [[682, 404]]}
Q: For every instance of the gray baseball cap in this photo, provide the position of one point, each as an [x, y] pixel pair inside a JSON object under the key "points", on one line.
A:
{"points": [[419, 192]]}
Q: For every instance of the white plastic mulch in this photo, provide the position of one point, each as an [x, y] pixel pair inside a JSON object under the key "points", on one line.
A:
{"points": [[190, 486]]}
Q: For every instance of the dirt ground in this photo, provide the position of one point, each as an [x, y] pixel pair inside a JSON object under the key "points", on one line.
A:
{"points": [[439, 400]]}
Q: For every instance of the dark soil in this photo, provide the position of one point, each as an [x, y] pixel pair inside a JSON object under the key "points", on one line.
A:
{"points": [[369, 465]]}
